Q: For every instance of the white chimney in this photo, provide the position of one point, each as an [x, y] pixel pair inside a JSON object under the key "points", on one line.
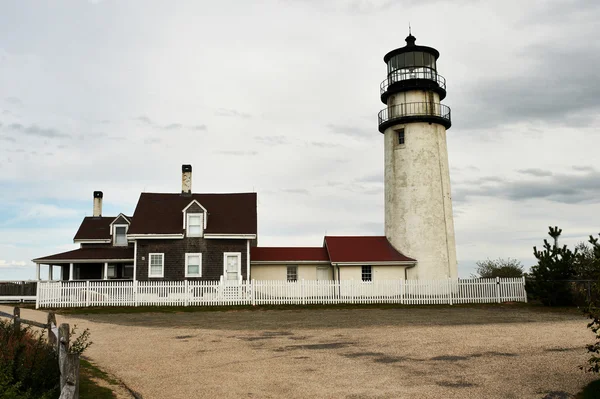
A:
{"points": [[186, 179], [98, 203]]}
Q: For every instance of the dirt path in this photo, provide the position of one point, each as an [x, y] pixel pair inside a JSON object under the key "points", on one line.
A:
{"points": [[362, 353]]}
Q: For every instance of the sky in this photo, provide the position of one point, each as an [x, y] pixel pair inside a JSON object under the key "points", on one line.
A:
{"points": [[280, 97]]}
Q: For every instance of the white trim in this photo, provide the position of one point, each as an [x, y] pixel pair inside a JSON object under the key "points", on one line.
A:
{"points": [[105, 271], [93, 241], [248, 260], [113, 232], [380, 263], [187, 255], [55, 261], [117, 218], [279, 262], [70, 272], [162, 273], [134, 260], [231, 236], [154, 236], [239, 256], [188, 215], [200, 205]]}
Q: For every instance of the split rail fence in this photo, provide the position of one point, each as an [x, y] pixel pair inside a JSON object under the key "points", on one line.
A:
{"points": [[59, 294]]}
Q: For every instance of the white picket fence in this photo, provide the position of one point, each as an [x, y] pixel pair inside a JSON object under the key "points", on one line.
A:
{"points": [[59, 294]]}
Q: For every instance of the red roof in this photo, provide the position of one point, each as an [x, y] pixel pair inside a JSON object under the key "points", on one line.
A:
{"points": [[289, 254], [227, 213], [363, 249], [94, 228], [91, 253]]}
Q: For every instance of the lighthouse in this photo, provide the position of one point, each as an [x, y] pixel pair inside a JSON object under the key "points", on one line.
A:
{"points": [[418, 202]]}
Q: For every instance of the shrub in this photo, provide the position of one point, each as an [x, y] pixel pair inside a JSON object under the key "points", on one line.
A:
{"points": [[499, 268], [28, 365]]}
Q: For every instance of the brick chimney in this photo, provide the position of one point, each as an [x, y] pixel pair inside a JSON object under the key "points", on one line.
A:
{"points": [[98, 203], [186, 179]]}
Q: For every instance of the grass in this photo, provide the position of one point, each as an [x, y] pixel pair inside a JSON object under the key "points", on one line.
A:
{"points": [[88, 385], [258, 308], [591, 391]]}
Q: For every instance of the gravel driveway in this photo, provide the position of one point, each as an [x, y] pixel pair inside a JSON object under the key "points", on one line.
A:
{"points": [[442, 352]]}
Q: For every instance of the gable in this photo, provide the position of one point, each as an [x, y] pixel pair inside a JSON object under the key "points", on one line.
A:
{"points": [[121, 219], [158, 213]]}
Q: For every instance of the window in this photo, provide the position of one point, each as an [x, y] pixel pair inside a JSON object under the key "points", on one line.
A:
{"points": [[111, 271], [193, 265], [401, 138], [194, 225], [156, 265], [292, 273], [367, 273], [120, 235]]}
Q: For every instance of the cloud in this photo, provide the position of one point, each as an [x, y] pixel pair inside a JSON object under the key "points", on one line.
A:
{"points": [[232, 113], [322, 144], [535, 172], [35, 130], [238, 153], [374, 178], [301, 191], [34, 212], [560, 188], [170, 126], [13, 264], [8, 138], [352, 131], [14, 101], [272, 140], [584, 168]]}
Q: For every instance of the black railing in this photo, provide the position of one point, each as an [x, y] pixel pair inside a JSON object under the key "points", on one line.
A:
{"points": [[408, 110], [400, 75]]}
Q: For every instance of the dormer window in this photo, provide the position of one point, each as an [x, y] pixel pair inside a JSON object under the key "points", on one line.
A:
{"points": [[194, 225], [120, 235]]}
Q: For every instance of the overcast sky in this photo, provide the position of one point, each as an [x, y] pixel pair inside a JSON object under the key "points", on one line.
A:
{"points": [[281, 97]]}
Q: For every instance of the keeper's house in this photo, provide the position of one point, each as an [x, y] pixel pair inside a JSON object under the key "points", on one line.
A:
{"points": [[208, 237]]}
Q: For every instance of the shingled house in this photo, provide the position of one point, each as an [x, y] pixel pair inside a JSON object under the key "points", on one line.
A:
{"points": [[208, 237]]}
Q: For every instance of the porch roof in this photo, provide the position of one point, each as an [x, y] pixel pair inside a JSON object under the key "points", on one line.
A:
{"points": [[108, 254]]}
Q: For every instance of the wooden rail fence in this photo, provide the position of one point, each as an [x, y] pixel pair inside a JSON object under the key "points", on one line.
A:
{"points": [[57, 294], [59, 338]]}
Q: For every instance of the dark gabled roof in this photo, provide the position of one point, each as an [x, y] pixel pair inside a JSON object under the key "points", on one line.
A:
{"points": [[363, 249], [288, 254], [162, 213], [91, 253], [94, 228]]}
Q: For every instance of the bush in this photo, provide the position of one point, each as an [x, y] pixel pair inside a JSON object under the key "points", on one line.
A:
{"points": [[28, 365], [499, 268]]}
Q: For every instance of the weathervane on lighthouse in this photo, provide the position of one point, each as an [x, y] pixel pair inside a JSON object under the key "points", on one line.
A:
{"points": [[418, 203]]}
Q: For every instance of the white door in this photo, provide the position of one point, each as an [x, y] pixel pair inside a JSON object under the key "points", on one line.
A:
{"points": [[232, 266], [322, 273]]}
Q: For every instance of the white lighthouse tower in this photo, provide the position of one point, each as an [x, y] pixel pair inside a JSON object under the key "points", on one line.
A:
{"points": [[418, 203]]}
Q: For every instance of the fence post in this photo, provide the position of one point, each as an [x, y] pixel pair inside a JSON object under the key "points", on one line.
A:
{"points": [[524, 289], [303, 292], [52, 338], [186, 297], [37, 295], [450, 290], [135, 293], [87, 293], [17, 319], [252, 293], [72, 373], [498, 289], [63, 350]]}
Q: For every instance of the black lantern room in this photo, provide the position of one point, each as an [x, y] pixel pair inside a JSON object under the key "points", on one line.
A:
{"points": [[413, 67]]}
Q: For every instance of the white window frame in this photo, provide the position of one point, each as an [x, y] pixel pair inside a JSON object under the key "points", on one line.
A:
{"points": [[115, 234], [187, 256], [114, 269], [239, 256], [187, 225], [287, 273], [162, 257]]}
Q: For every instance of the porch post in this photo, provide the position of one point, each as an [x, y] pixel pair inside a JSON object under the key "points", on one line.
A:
{"points": [[70, 271], [37, 271], [105, 271], [50, 272]]}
